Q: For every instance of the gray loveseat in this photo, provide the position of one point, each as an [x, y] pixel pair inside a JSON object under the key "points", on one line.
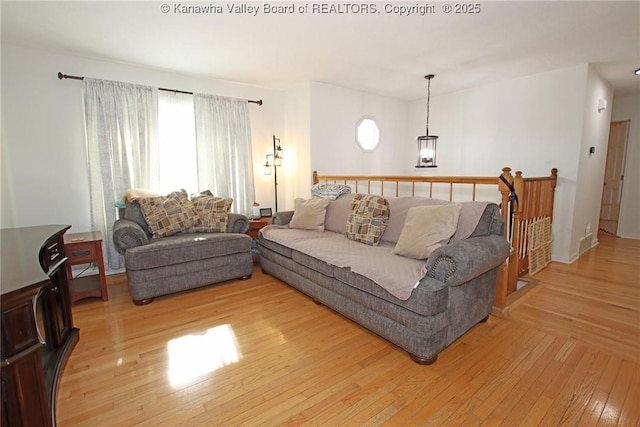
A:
{"points": [[161, 266], [454, 290]]}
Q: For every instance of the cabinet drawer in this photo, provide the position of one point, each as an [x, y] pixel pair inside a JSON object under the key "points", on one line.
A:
{"points": [[18, 329], [81, 252]]}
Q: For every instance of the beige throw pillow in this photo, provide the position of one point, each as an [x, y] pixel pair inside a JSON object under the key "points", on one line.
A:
{"points": [[426, 229], [309, 214], [213, 214]]}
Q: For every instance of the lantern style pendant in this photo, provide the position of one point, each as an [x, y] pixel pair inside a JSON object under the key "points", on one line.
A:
{"points": [[426, 154]]}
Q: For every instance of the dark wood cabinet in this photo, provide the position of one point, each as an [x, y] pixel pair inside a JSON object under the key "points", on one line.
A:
{"points": [[36, 331]]}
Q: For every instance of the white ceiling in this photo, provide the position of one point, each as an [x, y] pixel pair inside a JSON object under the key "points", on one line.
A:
{"points": [[380, 53]]}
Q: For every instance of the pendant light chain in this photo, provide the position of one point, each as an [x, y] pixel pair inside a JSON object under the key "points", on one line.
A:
{"points": [[428, 77]]}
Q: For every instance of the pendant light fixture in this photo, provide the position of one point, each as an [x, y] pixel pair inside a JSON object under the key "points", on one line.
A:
{"points": [[426, 157]]}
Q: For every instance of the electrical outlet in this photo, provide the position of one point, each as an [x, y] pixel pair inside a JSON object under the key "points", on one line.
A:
{"points": [[587, 229]]}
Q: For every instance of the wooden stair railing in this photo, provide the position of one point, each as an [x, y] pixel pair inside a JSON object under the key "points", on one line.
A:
{"points": [[535, 202]]}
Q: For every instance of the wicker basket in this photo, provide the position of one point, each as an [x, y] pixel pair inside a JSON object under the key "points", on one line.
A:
{"points": [[539, 244]]}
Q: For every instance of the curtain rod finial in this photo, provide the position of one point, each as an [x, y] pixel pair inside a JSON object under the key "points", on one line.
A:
{"points": [[60, 75]]}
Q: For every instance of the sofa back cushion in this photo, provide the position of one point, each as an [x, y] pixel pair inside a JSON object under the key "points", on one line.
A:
{"points": [[367, 219], [398, 209], [337, 214], [473, 220]]}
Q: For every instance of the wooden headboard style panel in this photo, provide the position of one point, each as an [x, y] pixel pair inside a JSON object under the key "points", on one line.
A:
{"points": [[534, 202]]}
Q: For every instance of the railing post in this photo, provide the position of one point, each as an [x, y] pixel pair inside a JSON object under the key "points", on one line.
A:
{"points": [[504, 191], [502, 285], [554, 182], [516, 235]]}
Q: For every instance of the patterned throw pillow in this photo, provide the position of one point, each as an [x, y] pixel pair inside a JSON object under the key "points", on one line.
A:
{"points": [[169, 215], [367, 219], [213, 214]]}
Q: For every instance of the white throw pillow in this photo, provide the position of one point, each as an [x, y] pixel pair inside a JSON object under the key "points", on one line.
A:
{"points": [[426, 229]]}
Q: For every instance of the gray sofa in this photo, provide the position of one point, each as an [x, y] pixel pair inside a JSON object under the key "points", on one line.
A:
{"points": [[455, 293], [161, 266]]}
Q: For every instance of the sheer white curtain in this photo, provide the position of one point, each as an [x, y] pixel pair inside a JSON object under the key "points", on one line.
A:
{"points": [[223, 141], [121, 124]]}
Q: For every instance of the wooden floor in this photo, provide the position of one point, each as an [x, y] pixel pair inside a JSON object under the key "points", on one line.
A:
{"points": [[258, 352]]}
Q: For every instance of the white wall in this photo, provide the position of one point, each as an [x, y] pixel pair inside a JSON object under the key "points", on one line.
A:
{"points": [[531, 124], [44, 175], [629, 221], [335, 112], [296, 175], [595, 133]]}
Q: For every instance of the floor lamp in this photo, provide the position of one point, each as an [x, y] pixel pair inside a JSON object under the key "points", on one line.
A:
{"points": [[277, 161]]}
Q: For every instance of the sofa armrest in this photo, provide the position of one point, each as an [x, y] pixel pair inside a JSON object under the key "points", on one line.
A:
{"points": [[461, 261], [127, 234], [237, 223], [282, 218]]}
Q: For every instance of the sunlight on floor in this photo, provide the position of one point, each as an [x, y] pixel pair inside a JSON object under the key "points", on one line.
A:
{"points": [[192, 356]]}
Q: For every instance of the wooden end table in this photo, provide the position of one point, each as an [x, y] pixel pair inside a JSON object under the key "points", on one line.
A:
{"points": [[255, 225], [85, 248]]}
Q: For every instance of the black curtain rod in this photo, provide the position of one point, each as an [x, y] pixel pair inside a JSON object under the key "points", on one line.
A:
{"points": [[67, 76]]}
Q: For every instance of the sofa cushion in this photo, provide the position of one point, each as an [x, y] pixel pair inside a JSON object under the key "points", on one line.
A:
{"points": [[309, 214], [337, 214], [426, 228], [313, 263], [367, 220], [182, 248], [397, 275], [427, 299], [169, 215], [213, 214], [274, 246]]}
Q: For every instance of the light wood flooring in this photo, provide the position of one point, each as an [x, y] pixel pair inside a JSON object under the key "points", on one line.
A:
{"points": [[258, 352]]}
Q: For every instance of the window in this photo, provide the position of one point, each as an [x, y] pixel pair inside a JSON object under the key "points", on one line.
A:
{"points": [[367, 133], [177, 143]]}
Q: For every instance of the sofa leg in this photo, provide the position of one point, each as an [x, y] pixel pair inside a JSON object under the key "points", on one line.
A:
{"points": [[246, 277], [485, 319], [423, 360], [143, 301]]}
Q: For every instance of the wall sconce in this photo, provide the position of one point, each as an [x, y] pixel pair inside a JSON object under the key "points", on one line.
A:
{"points": [[426, 157], [275, 162]]}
